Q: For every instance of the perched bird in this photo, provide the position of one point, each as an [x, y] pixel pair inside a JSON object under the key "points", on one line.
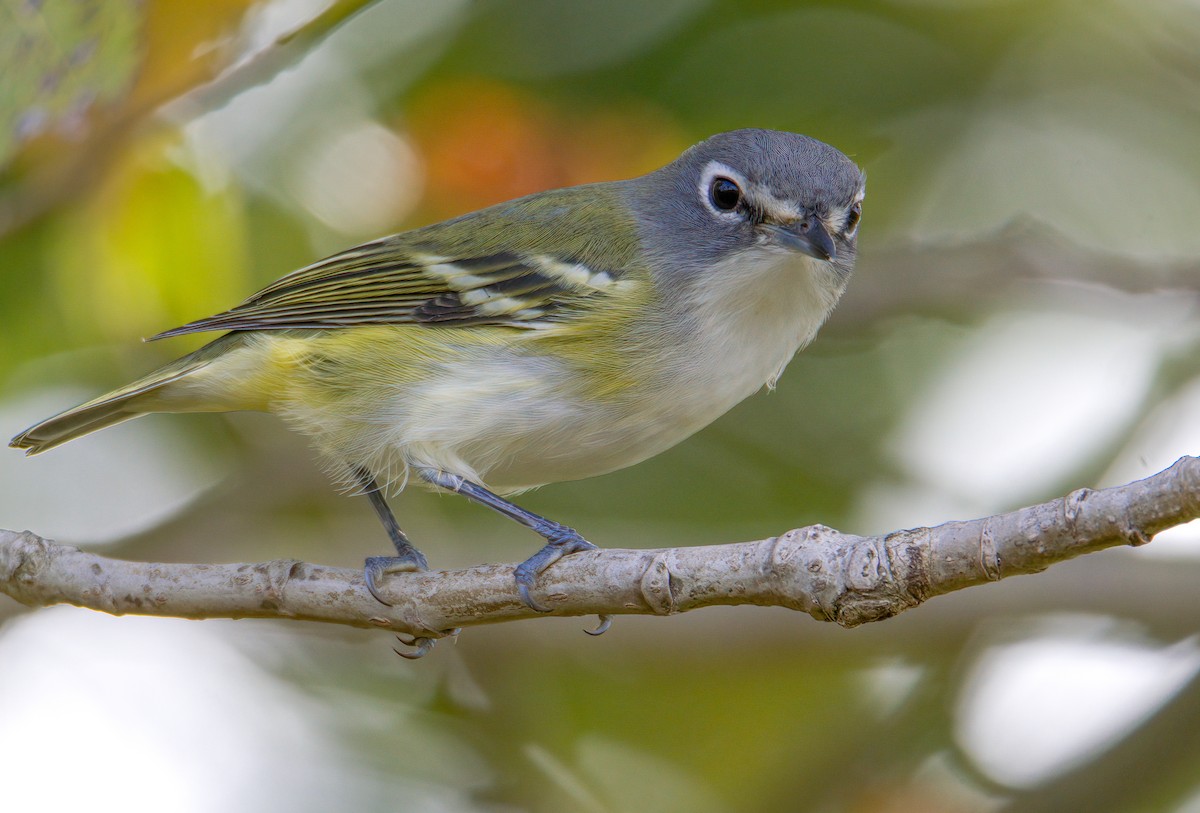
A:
{"points": [[554, 337]]}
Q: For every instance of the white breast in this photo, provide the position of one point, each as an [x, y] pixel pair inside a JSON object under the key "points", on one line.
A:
{"points": [[748, 321]]}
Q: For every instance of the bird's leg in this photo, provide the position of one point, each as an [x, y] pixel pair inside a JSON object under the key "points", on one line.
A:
{"points": [[407, 558], [560, 540]]}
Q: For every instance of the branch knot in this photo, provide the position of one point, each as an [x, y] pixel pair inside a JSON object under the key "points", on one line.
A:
{"points": [[656, 585]]}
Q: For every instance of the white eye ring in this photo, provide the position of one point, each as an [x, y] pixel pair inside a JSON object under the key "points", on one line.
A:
{"points": [[719, 183]]}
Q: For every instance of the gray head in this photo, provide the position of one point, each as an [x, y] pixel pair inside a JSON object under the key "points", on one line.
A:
{"points": [[752, 189]]}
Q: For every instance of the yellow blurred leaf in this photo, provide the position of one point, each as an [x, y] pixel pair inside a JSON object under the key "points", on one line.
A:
{"points": [[151, 250]]}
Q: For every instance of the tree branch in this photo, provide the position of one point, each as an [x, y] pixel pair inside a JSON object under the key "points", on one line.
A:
{"points": [[830, 575], [283, 53]]}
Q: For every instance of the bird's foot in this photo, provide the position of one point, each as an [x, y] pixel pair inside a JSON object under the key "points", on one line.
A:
{"points": [[557, 546], [376, 567]]}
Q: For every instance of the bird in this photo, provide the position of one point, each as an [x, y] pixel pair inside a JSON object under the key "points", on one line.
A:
{"points": [[554, 337]]}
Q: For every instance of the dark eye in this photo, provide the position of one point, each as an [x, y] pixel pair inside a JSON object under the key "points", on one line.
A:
{"points": [[853, 217], [724, 194]]}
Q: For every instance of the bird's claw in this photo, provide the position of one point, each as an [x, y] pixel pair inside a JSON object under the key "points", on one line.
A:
{"points": [[602, 627], [523, 589], [371, 571], [421, 646]]}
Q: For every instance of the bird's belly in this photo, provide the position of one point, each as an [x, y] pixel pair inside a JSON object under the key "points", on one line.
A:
{"points": [[589, 441], [523, 422]]}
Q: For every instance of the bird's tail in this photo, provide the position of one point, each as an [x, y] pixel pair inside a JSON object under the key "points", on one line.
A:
{"points": [[152, 393]]}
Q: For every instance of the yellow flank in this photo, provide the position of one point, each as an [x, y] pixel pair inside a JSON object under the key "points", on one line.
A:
{"points": [[609, 349], [352, 370]]}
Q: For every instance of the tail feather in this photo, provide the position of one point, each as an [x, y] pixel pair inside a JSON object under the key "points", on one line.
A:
{"points": [[132, 401], [68, 426]]}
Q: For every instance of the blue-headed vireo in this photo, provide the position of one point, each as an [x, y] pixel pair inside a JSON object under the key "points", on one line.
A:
{"points": [[558, 336]]}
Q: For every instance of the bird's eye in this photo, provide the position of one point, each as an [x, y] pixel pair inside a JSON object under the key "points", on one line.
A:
{"points": [[852, 219], [724, 194]]}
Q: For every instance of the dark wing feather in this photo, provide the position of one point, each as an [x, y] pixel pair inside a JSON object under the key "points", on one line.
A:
{"points": [[377, 284]]}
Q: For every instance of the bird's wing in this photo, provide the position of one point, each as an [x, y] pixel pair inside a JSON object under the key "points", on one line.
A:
{"points": [[422, 277]]}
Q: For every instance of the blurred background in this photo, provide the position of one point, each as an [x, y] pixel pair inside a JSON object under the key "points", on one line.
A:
{"points": [[1022, 323]]}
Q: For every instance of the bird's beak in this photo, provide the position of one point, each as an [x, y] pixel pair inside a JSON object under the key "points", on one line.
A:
{"points": [[807, 236]]}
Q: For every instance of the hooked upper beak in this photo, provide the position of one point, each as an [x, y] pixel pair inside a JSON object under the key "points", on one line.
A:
{"points": [[807, 236]]}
